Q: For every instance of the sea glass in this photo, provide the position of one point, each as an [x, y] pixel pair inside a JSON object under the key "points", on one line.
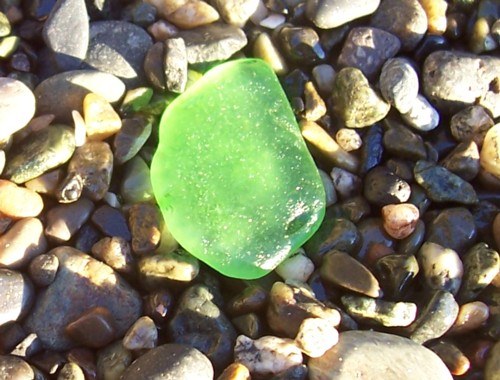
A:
{"points": [[232, 175]]}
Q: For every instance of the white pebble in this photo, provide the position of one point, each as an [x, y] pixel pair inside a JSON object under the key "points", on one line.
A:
{"points": [[273, 21], [80, 129], [260, 13], [316, 336], [112, 200], [324, 75], [422, 115], [297, 267]]}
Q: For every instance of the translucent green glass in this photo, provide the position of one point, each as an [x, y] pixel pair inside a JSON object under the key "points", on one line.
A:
{"points": [[232, 175]]}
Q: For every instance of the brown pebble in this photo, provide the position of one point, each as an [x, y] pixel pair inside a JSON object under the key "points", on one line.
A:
{"points": [[22, 242], [101, 120], [235, 371], [141, 335], [65, 220], [94, 329], [85, 360], [400, 220], [114, 251], [455, 360], [193, 13], [478, 351], [19, 202], [470, 317], [43, 269], [159, 306], [47, 183], [145, 223]]}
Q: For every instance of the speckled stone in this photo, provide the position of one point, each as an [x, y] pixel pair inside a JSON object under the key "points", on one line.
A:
{"points": [[382, 187], [13, 367], [471, 123], [399, 83], [463, 160], [18, 296]]}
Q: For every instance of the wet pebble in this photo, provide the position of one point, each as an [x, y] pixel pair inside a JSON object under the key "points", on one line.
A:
{"points": [[71, 371], [63, 221], [95, 328], [396, 273], [346, 184], [348, 139], [136, 182], [130, 138], [111, 222], [400, 219], [17, 105], [175, 65], [373, 238], [301, 45], [18, 296], [235, 371], [490, 151], [176, 361], [143, 334], [114, 251], [377, 355], [382, 187], [372, 149]]}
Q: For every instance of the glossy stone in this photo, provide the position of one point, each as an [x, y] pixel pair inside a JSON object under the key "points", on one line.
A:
{"points": [[382, 187], [396, 273], [18, 296], [233, 219]]}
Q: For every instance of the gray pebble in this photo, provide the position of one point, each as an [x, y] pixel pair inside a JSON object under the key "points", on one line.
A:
{"points": [[399, 83], [463, 160], [328, 14], [422, 116], [400, 141], [17, 296], [175, 65], [382, 187]]}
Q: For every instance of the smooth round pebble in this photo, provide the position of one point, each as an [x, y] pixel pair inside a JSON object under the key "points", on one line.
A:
{"points": [[17, 106], [400, 220], [19, 202]]}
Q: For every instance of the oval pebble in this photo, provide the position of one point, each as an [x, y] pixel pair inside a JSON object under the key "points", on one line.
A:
{"points": [[400, 220], [17, 295], [17, 106], [19, 202]]}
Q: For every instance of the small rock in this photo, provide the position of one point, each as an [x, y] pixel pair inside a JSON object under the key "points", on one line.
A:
{"points": [[348, 139], [316, 336], [114, 251], [136, 182], [71, 371], [13, 367], [296, 268], [235, 371], [43, 269], [376, 355], [471, 316], [192, 14], [342, 270], [442, 185], [355, 101], [455, 360], [252, 299], [17, 105], [266, 356], [129, 140], [330, 193], [328, 14], [175, 65], [175, 361], [463, 161], [111, 222], [421, 116], [372, 149], [112, 361], [400, 220], [442, 267], [236, 12], [63, 221], [315, 107], [143, 334], [265, 49], [145, 223], [101, 120], [471, 123], [95, 328], [402, 142], [301, 45], [490, 152], [367, 49], [41, 151], [405, 19], [324, 76], [382, 187], [399, 83], [46, 183], [21, 243], [396, 273], [62, 93], [389, 314], [346, 184], [18, 296], [19, 202], [373, 237], [153, 65]]}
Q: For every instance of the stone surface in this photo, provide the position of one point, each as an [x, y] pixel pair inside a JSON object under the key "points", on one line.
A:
{"points": [[170, 361], [400, 220], [374, 355], [463, 160], [13, 367], [316, 336], [471, 123], [327, 14], [396, 274], [301, 45], [64, 221], [143, 334], [101, 120], [69, 48], [130, 138], [81, 283], [422, 116], [17, 106], [402, 142], [175, 65], [490, 152], [19, 202], [95, 328], [18, 296], [62, 93], [145, 222], [236, 12], [111, 222], [114, 251], [383, 187], [399, 83], [118, 48]]}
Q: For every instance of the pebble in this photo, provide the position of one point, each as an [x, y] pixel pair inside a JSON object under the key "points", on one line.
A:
{"points": [[471, 316], [372, 149], [143, 334], [400, 141], [471, 123], [174, 361], [400, 220], [175, 65], [191, 14], [373, 237], [136, 182], [81, 283], [62, 93], [445, 75], [115, 252], [69, 48], [316, 336], [252, 299], [168, 268], [43, 269], [422, 115], [490, 151], [342, 270], [18, 296], [453, 228], [399, 83], [111, 222], [297, 267], [265, 48], [101, 120], [21, 243], [63, 221], [13, 367], [17, 105], [236, 12], [492, 367], [441, 267], [129, 140], [386, 313], [436, 15], [348, 139], [266, 356], [382, 187], [145, 223], [455, 360], [251, 325], [301, 45], [118, 48], [289, 305], [324, 76], [95, 328], [212, 42], [355, 101], [405, 19], [330, 193], [46, 183], [481, 266], [436, 318], [19, 202], [93, 163], [346, 184], [71, 371], [396, 274], [112, 361], [367, 49], [235, 371], [463, 160], [154, 65], [328, 14], [200, 323], [315, 107], [376, 355], [441, 185]]}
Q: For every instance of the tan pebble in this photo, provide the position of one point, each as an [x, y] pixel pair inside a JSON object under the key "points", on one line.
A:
{"points": [[315, 106], [480, 39], [80, 128], [166, 7], [71, 371], [46, 183], [471, 123], [400, 220], [490, 152], [436, 15], [143, 334], [22, 242], [470, 317], [94, 329], [162, 30], [348, 139], [193, 14], [19, 202], [316, 336], [145, 223], [114, 251], [264, 48], [235, 371], [101, 120]]}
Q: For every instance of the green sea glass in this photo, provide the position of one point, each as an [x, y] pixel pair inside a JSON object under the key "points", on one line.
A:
{"points": [[232, 175]]}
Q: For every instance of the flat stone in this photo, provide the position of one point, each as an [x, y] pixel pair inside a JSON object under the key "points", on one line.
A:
{"points": [[328, 14], [63, 221], [118, 48], [19, 202], [69, 48], [175, 65], [17, 106], [62, 93], [171, 361], [136, 182], [111, 222], [373, 355], [453, 80], [367, 49], [101, 120], [130, 138], [81, 283], [18, 296]]}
